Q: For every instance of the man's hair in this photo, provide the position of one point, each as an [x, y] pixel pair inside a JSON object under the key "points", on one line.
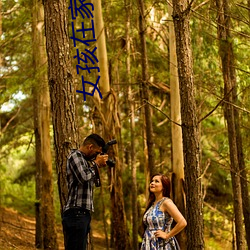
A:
{"points": [[94, 139]]}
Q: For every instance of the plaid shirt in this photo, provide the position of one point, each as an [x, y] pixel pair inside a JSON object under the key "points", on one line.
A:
{"points": [[80, 179]]}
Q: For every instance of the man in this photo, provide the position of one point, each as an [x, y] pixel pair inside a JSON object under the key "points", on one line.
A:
{"points": [[82, 167]]}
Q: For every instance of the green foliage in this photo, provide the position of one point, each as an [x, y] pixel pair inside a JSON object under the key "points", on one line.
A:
{"points": [[19, 197], [16, 74], [218, 228], [17, 167], [18, 188], [16, 49]]}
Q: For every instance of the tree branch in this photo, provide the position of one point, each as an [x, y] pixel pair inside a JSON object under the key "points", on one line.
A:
{"points": [[14, 8], [161, 112], [10, 120]]}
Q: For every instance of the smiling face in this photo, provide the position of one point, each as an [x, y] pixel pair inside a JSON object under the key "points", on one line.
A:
{"points": [[156, 184]]}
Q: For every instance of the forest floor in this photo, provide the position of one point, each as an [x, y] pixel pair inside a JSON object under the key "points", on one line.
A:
{"points": [[18, 232]]}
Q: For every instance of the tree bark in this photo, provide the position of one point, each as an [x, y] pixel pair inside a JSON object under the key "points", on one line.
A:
{"points": [[62, 90], [191, 152], [132, 130], [243, 178], [1, 31], [231, 116], [145, 90], [46, 237], [46, 234], [104, 84], [176, 132], [111, 129], [104, 219], [248, 3]]}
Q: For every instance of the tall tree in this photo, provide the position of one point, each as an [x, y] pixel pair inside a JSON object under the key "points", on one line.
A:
{"points": [[46, 237], [231, 115], [248, 3], [132, 128], [181, 17], [243, 178], [61, 86], [145, 90], [1, 31], [111, 130], [176, 132], [1, 62]]}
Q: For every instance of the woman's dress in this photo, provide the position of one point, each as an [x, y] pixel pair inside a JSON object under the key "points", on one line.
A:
{"points": [[155, 220]]}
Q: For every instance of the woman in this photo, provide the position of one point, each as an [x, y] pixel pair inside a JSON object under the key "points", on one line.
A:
{"points": [[159, 215]]}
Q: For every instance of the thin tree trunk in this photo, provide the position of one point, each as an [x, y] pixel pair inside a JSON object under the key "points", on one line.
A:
{"points": [[233, 236], [189, 126], [104, 85], [176, 132], [37, 69], [243, 179], [46, 237], [1, 62], [133, 174], [248, 3], [61, 85], [230, 92], [111, 129], [1, 32], [132, 131], [145, 90], [104, 219]]}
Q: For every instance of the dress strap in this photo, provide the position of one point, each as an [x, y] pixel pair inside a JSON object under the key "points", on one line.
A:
{"points": [[161, 201]]}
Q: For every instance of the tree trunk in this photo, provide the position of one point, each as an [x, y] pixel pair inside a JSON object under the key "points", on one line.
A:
{"points": [[62, 91], [1, 62], [248, 3], [46, 237], [101, 48], [111, 129], [189, 127], [104, 219], [231, 116], [1, 32], [176, 132], [243, 179], [132, 131], [145, 90]]}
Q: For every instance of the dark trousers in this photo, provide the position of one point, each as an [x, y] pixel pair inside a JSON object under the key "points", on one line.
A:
{"points": [[76, 226]]}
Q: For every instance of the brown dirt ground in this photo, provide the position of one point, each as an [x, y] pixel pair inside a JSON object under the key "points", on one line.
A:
{"points": [[18, 232]]}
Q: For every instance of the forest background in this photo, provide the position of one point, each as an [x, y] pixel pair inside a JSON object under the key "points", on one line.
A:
{"points": [[133, 69]]}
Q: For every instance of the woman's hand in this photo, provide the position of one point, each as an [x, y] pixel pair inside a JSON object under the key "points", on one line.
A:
{"points": [[161, 234]]}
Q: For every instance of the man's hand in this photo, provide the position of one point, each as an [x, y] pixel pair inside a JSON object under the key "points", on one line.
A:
{"points": [[101, 160]]}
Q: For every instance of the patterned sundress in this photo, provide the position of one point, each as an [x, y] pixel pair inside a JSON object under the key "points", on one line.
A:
{"points": [[155, 220]]}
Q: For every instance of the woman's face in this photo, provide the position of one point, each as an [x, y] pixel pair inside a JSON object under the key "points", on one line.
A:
{"points": [[156, 184]]}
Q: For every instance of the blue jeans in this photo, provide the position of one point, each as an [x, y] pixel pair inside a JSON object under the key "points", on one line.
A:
{"points": [[76, 226]]}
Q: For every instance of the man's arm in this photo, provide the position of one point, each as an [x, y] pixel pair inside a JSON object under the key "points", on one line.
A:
{"points": [[80, 167]]}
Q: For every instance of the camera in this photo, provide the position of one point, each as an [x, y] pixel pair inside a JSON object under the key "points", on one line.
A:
{"points": [[110, 162]]}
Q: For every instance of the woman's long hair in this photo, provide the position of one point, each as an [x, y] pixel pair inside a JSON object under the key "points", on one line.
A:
{"points": [[166, 185]]}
